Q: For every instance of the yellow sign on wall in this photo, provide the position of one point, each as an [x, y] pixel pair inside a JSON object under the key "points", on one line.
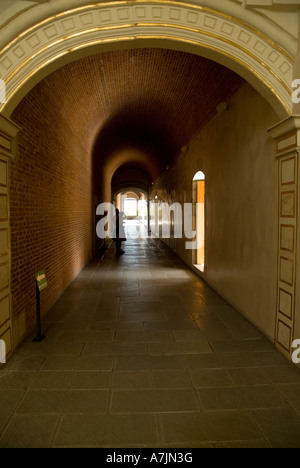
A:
{"points": [[41, 280]]}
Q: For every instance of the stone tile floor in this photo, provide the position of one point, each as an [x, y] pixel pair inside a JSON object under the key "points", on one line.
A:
{"points": [[141, 353]]}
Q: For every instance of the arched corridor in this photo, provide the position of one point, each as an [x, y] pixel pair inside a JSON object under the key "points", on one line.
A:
{"points": [[189, 112]]}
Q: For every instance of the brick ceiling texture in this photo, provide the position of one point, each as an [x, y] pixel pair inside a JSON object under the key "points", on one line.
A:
{"points": [[153, 100]]}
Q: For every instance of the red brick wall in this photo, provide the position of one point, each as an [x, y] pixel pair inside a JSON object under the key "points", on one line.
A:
{"points": [[50, 199]]}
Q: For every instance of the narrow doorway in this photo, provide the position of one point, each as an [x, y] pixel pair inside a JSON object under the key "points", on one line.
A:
{"points": [[199, 220]]}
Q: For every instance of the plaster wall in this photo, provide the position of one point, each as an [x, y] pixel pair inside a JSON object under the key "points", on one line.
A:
{"points": [[238, 158]]}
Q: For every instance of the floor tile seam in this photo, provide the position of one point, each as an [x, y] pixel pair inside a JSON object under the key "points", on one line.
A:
{"points": [[258, 425], [69, 413], [152, 389], [229, 376], [74, 370], [237, 367], [83, 389], [198, 399], [161, 432], [68, 390], [81, 353], [240, 386], [153, 412], [142, 412], [109, 402], [189, 370], [244, 409], [14, 412], [10, 417], [33, 379], [216, 444], [55, 431], [89, 446], [290, 404], [13, 373]]}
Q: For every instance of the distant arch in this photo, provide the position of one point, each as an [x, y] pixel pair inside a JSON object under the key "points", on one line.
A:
{"points": [[132, 190]]}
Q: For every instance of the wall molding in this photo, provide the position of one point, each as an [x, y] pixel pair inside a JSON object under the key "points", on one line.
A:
{"points": [[8, 151], [287, 137]]}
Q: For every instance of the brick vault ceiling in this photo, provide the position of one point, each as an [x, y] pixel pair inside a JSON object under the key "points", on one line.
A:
{"points": [[153, 99]]}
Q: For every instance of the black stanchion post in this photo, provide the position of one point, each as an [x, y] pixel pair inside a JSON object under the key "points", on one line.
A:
{"points": [[39, 336]]}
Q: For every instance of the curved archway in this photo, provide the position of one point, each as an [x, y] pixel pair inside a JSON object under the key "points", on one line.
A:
{"points": [[130, 189], [139, 210], [53, 38], [130, 176], [199, 176], [204, 30]]}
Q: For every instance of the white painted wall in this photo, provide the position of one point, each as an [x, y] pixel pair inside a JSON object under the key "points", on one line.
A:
{"points": [[238, 158]]}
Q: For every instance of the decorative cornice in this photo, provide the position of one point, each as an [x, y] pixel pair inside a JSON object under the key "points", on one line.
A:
{"points": [[8, 127], [217, 35], [45, 8], [8, 138], [285, 127]]}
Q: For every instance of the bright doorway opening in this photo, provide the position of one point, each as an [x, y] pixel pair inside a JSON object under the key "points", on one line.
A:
{"points": [[134, 204], [199, 220], [131, 208]]}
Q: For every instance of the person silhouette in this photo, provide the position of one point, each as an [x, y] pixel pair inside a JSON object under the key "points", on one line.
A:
{"points": [[119, 231]]}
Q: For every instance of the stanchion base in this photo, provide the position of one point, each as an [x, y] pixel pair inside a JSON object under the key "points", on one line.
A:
{"points": [[38, 339]]}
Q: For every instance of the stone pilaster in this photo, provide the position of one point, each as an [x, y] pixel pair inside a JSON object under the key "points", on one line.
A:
{"points": [[8, 151], [287, 137]]}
